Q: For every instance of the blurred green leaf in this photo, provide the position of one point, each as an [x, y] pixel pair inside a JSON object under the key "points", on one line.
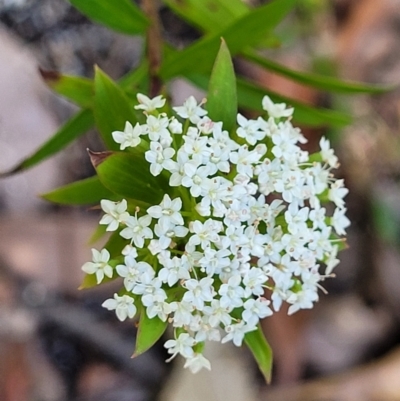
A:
{"points": [[250, 98], [149, 332], [77, 89], [209, 15], [90, 281], [84, 192], [316, 81], [136, 76], [72, 129], [244, 32], [111, 108], [222, 96], [261, 351], [128, 175], [122, 15], [98, 234]]}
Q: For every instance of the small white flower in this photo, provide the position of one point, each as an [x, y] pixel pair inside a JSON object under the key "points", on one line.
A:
{"points": [[129, 137], [173, 271], [256, 309], [198, 292], [197, 362], [276, 110], [183, 345], [115, 213], [339, 221], [168, 210], [123, 305], [137, 229], [337, 192], [99, 265], [249, 130], [157, 128], [236, 332], [327, 153], [175, 126], [190, 110], [149, 105], [158, 157], [166, 232], [204, 233]]}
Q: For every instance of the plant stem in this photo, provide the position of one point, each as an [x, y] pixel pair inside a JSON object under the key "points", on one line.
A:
{"points": [[154, 45]]}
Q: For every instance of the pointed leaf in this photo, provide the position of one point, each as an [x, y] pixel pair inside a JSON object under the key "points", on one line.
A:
{"points": [[136, 76], [77, 89], [128, 175], [84, 192], [149, 332], [316, 81], [261, 351], [72, 129], [250, 98], [111, 108], [243, 32], [122, 15], [222, 96]]}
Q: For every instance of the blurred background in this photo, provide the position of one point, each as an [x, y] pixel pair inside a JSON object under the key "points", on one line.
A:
{"points": [[58, 344]]}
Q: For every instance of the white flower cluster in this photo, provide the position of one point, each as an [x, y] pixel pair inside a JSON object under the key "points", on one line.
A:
{"points": [[242, 230]]}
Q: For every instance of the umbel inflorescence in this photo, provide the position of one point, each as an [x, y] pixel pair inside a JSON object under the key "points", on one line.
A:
{"points": [[242, 230]]}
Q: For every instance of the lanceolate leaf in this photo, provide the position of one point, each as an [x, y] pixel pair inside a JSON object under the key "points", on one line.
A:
{"points": [[136, 76], [77, 89], [222, 96], [242, 33], [128, 175], [316, 81], [149, 332], [120, 15], [250, 97], [84, 192], [261, 351], [111, 108], [72, 129]]}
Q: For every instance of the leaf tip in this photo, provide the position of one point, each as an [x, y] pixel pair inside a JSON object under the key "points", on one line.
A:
{"points": [[96, 158], [49, 75]]}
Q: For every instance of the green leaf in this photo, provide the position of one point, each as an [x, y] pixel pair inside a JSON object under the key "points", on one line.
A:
{"points": [[149, 332], [209, 15], [136, 76], [128, 175], [222, 96], [98, 233], [77, 89], [122, 15], [72, 129], [243, 32], [250, 98], [316, 81], [111, 108], [84, 192], [90, 281], [261, 351]]}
